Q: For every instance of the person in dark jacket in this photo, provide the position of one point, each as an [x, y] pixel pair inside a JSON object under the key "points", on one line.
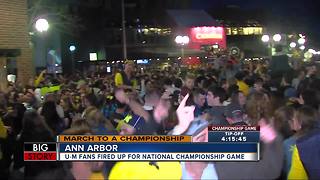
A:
{"points": [[51, 116], [279, 64], [305, 159], [34, 129], [269, 166], [215, 98], [199, 99]]}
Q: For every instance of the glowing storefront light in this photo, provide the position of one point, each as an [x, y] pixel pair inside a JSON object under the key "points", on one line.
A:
{"points": [[244, 30], [208, 36], [207, 32], [93, 57]]}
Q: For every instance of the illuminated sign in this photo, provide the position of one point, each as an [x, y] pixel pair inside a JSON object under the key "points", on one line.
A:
{"points": [[207, 32], [93, 56], [244, 30], [208, 36], [142, 61]]}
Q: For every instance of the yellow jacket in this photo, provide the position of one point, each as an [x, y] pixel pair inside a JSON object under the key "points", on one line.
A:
{"points": [[3, 134], [118, 80], [297, 170], [243, 87], [3, 130]]}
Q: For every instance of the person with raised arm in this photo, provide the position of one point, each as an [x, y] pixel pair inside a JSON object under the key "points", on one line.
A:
{"points": [[124, 79]]}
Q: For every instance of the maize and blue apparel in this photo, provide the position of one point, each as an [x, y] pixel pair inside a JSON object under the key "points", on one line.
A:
{"points": [[306, 156]]}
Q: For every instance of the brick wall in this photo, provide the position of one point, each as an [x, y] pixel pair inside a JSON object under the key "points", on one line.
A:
{"points": [[14, 34]]}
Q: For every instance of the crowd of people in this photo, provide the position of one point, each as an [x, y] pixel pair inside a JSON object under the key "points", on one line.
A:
{"points": [[284, 102]]}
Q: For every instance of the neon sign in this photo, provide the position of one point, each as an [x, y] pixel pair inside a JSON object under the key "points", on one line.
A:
{"points": [[209, 36], [202, 33]]}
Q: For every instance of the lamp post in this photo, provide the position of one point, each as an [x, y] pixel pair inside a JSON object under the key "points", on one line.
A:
{"points": [[42, 26], [182, 40], [276, 38], [123, 23], [72, 48], [266, 39]]}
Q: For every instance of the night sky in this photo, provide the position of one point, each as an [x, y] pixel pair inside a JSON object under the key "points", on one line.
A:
{"points": [[300, 15]]}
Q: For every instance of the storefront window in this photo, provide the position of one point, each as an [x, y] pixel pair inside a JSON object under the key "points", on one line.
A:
{"points": [[244, 30]]}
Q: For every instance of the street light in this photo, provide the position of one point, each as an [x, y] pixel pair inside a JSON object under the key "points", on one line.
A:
{"points": [[72, 48], [178, 39], [265, 38], [42, 25], [182, 40], [277, 37], [301, 41], [185, 40], [293, 44]]}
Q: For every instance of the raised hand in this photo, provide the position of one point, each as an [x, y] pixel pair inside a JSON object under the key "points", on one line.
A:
{"points": [[267, 132], [185, 116], [122, 96], [161, 111]]}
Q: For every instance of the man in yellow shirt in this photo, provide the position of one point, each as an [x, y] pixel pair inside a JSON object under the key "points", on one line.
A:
{"points": [[243, 87], [124, 79]]}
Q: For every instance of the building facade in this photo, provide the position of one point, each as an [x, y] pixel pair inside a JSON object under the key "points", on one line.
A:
{"points": [[15, 40]]}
